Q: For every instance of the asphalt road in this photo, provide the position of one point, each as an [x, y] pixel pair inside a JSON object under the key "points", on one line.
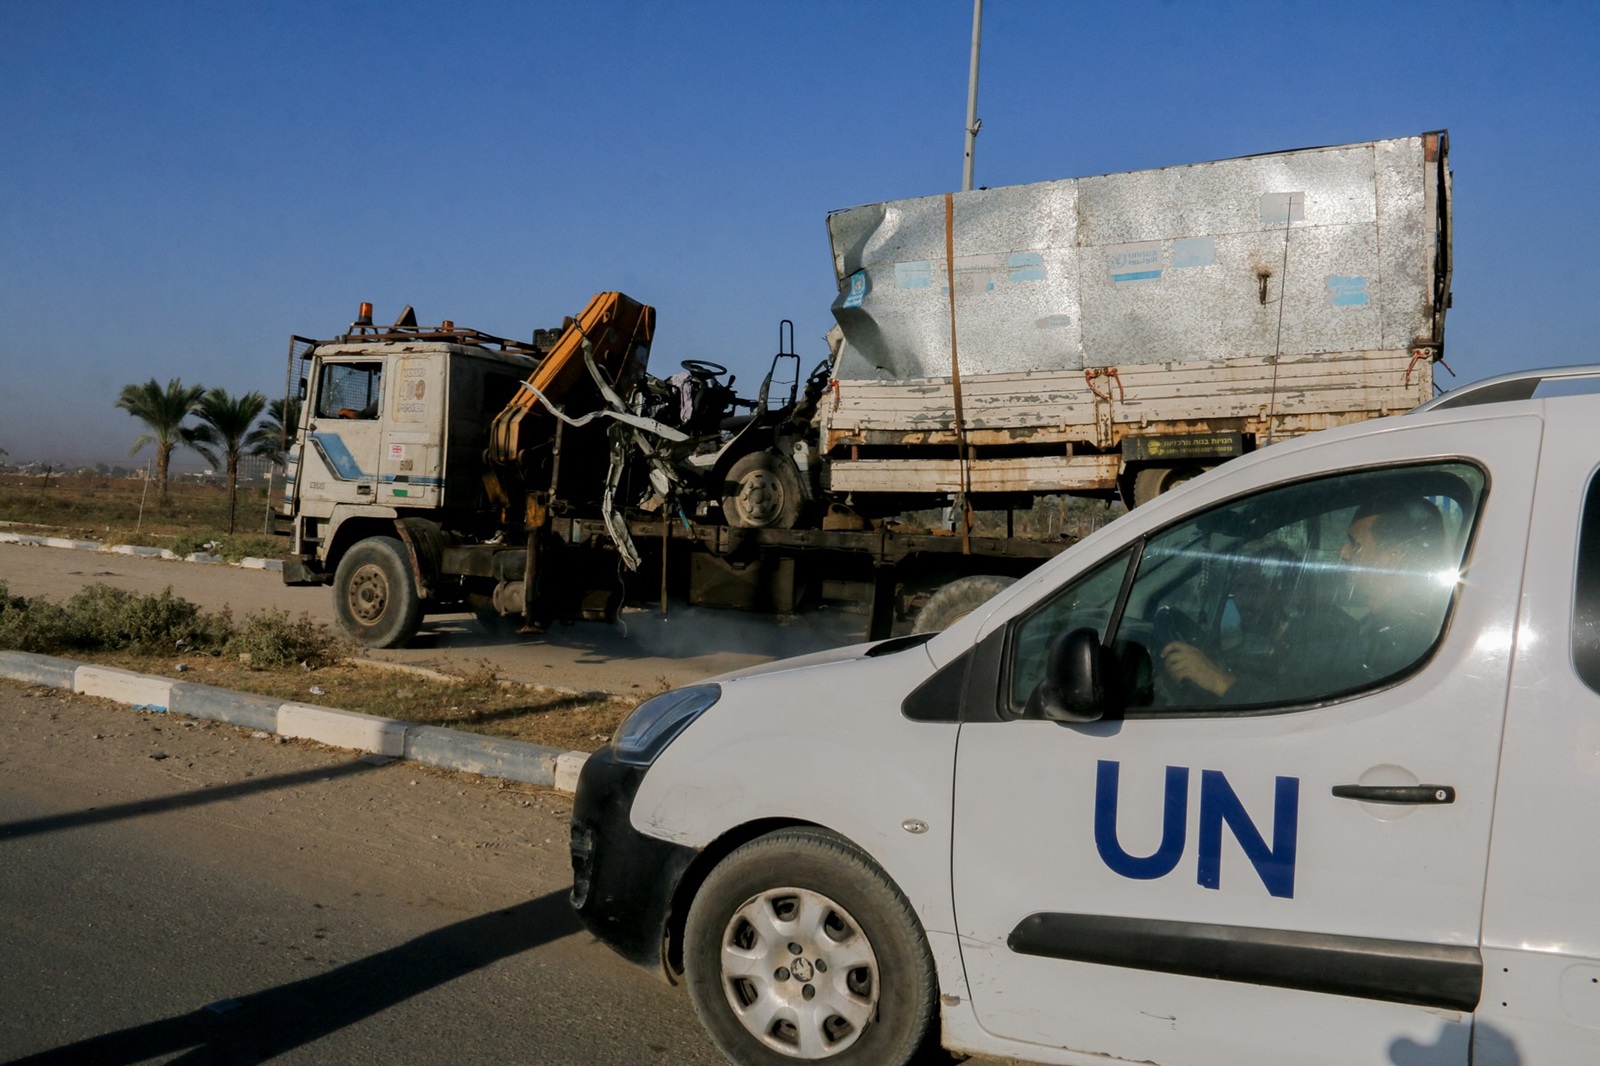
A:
{"points": [[173, 891], [645, 650]]}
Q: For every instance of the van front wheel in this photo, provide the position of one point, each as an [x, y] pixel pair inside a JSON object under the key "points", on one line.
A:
{"points": [[799, 947]]}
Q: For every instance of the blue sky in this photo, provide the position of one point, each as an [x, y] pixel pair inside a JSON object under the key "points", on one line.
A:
{"points": [[184, 185]]}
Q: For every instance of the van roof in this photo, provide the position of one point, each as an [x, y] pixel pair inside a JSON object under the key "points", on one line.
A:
{"points": [[1519, 385]]}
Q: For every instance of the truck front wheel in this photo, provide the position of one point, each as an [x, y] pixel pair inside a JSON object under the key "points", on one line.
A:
{"points": [[375, 595]]}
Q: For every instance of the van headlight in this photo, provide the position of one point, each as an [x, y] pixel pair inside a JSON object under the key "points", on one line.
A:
{"points": [[657, 721]]}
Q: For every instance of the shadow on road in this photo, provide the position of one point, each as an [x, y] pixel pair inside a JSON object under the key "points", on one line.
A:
{"points": [[198, 798], [685, 633], [263, 1024]]}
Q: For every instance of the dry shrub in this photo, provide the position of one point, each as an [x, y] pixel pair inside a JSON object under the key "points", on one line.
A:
{"points": [[39, 626], [271, 638], [103, 618], [117, 620]]}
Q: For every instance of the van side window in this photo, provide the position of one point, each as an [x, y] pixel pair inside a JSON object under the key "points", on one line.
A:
{"points": [[349, 390], [1086, 602], [1586, 604], [1301, 594]]}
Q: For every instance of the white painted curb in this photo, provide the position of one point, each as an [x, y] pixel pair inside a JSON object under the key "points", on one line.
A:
{"points": [[141, 690], [79, 545], [568, 766], [146, 553], [448, 749], [343, 729], [248, 563]]}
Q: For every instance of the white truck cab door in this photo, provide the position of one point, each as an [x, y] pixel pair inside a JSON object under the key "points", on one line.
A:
{"points": [[1276, 851], [341, 459]]}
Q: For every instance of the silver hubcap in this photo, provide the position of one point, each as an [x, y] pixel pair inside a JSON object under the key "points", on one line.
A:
{"points": [[760, 497], [369, 594], [799, 973]]}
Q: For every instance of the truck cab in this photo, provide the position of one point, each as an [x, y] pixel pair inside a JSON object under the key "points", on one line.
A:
{"points": [[388, 465], [390, 430]]}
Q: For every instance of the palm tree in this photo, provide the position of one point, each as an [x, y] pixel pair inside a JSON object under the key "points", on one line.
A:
{"points": [[271, 438], [225, 423], [163, 411]]}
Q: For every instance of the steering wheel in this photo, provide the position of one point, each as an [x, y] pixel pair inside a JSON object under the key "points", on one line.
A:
{"points": [[702, 370], [1171, 625]]}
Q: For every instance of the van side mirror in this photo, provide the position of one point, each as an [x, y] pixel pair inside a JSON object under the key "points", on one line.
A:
{"points": [[1074, 685]]}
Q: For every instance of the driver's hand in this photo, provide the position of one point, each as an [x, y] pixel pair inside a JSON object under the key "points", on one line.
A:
{"points": [[1185, 662]]}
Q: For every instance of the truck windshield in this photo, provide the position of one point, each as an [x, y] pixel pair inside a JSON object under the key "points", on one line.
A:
{"points": [[349, 390]]}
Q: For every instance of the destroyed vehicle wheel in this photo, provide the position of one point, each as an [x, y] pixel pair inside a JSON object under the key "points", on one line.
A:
{"points": [[798, 947], [374, 594], [956, 600], [762, 492]]}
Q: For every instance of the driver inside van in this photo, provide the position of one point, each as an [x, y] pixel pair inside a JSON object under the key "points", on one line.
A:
{"points": [[1269, 595], [1400, 584], [1390, 562]]}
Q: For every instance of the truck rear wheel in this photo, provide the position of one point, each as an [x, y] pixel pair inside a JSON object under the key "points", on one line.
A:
{"points": [[375, 595], [763, 492], [1152, 481], [956, 600]]}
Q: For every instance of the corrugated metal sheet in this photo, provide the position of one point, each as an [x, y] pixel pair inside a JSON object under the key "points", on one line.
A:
{"points": [[1304, 253]]}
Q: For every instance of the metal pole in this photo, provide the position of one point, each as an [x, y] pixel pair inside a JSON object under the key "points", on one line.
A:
{"points": [[973, 123]]}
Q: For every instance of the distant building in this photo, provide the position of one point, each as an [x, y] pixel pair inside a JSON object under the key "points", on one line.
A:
{"points": [[255, 468]]}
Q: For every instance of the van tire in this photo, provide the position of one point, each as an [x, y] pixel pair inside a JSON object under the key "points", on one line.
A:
{"points": [[883, 979], [956, 600], [375, 594]]}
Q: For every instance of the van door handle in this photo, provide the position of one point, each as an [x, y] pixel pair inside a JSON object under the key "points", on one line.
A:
{"points": [[1396, 793]]}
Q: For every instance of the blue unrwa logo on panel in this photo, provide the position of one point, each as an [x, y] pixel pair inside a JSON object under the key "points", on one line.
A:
{"points": [[1219, 806]]}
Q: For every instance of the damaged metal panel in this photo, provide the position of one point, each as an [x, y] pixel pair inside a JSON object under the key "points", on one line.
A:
{"points": [[1296, 254]]}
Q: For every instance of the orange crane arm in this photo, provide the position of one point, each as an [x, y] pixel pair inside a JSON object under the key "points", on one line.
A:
{"points": [[616, 332]]}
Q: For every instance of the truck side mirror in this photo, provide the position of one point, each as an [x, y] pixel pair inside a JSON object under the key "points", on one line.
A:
{"points": [[302, 390], [1074, 685]]}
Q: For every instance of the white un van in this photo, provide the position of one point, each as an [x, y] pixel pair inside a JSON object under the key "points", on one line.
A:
{"points": [[1298, 764]]}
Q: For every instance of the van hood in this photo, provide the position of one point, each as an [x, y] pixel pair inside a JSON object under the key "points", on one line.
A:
{"points": [[869, 650]]}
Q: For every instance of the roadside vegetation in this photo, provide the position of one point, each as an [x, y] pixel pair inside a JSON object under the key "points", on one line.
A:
{"points": [[94, 506], [108, 619], [271, 654]]}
